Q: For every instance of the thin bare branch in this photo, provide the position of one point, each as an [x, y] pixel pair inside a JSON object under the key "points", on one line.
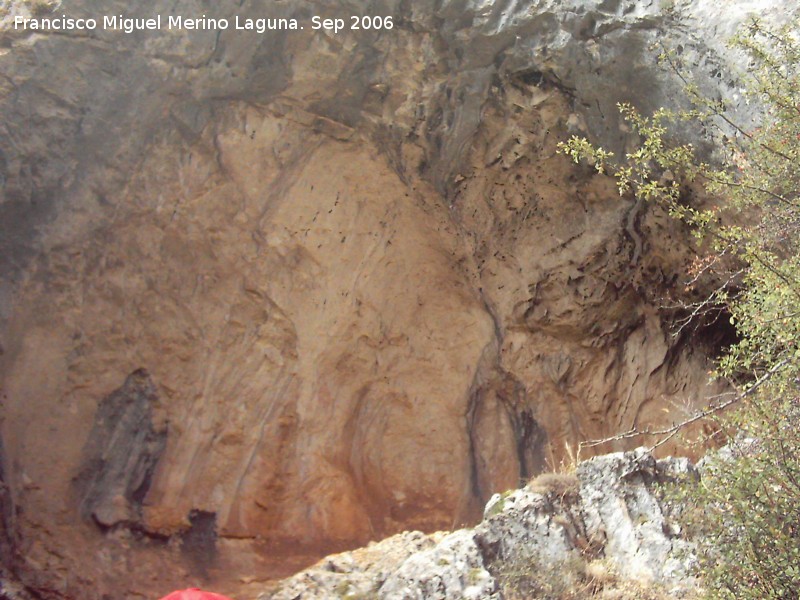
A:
{"points": [[713, 408], [754, 188]]}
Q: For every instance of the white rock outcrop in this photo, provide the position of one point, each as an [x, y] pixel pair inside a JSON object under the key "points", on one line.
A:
{"points": [[611, 509]]}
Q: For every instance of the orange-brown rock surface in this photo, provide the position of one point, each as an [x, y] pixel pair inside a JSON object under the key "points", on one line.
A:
{"points": [[268, 296]]}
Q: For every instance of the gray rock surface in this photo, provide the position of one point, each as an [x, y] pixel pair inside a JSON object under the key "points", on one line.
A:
{"points": [[451, 570], [356, 573], [618, 515], [620, 501]]}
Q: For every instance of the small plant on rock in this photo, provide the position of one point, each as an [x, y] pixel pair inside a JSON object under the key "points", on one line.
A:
{"points": [[564, 487], [527, 576]]}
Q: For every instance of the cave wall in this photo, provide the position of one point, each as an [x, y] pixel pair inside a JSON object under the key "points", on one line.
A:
{"points": [[357, 286]]}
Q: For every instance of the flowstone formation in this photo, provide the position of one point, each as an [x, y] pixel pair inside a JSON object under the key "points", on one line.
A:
{"points": [[356, 287]]}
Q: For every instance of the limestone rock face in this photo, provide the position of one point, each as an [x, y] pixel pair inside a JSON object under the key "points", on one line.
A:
{"points": [[366, 290], [614, 513]]}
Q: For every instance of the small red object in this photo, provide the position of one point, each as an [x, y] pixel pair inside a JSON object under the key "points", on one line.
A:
{"points": [[194, 594]]}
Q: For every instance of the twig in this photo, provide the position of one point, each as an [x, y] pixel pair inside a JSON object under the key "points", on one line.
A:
{"points": [[670, 432]]}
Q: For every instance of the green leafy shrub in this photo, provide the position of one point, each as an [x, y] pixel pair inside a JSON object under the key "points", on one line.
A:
{"points": [[748, 504]]}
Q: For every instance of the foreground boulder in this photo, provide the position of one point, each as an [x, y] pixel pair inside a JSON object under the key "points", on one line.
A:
{"points": [[605, 526]]}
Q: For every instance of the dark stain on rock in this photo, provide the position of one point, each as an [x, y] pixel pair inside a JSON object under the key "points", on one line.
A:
{"points": [[121, 454], [199, 542]]}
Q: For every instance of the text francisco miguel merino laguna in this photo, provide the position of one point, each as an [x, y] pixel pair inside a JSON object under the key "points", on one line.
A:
{"points": [[129, 25]]}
